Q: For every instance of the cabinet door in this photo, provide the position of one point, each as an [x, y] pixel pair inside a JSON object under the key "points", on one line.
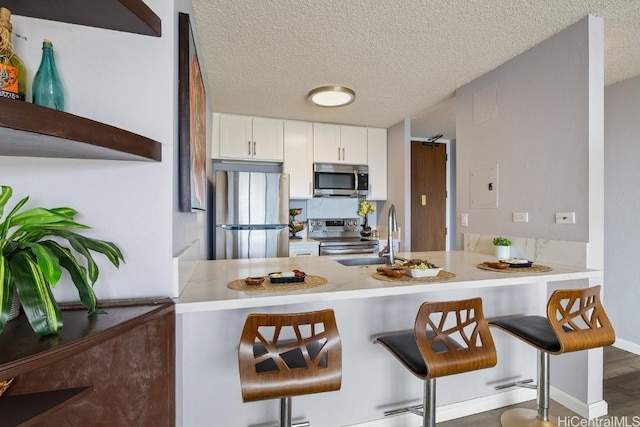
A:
{"points": [[298, 158], [268, 139], [326, 143], [353, 142], [377, 161], [303, 250], [235, 137]]}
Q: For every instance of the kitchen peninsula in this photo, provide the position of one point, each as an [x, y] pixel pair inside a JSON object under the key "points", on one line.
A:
{"points": [[211, 316]]}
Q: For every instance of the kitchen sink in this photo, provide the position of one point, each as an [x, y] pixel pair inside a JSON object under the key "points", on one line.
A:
{"points": [[362, 261]]}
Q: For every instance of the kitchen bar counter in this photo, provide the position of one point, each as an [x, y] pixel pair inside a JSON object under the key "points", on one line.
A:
{"points": [[211, 316], [207, 288]]}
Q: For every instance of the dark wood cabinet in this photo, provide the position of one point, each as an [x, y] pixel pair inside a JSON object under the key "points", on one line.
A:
{"points": [[114, 368]]}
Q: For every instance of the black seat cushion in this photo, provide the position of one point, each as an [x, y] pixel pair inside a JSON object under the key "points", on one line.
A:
{"points": [[404, 346], [535, 330]]}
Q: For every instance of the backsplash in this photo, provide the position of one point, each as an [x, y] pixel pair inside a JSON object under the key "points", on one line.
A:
{"points": [[331, 207], [538, 250]]}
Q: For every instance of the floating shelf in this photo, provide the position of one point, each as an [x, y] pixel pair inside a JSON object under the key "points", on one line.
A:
{"points": [[132, 16], [34, 131], [34, 407]]}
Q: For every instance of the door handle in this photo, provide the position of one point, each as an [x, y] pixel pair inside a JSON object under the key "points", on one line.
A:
{"points": [[249, 151], [254, 148], [343, 159], [338, 153], [423, 200]]}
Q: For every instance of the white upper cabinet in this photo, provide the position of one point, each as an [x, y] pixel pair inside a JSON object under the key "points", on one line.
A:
{"points": [[339, 144], [377, 161], [251, 138], [298, 159]]}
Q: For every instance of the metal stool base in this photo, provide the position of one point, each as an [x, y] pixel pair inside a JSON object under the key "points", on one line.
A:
{"points": [[520, 417]]}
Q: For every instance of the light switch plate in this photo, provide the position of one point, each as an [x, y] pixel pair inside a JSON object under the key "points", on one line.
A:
{"points": [[521, 217], [565, 217], [464, 220]]}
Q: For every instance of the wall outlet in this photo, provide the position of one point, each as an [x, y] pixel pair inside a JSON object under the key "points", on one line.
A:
{"points": [[521, 217], [464, 220], [565, 217]]}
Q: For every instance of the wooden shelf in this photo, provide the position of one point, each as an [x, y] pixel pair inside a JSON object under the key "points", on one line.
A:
{"points": [[132, 16], [31, 130]]}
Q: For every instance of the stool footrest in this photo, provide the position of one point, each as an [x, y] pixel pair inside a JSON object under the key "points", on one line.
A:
{"points": [[523, 384], [417, 409]]}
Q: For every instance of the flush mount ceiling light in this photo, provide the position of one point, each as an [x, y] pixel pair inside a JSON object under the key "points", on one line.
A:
{"points": [[332, 96]]}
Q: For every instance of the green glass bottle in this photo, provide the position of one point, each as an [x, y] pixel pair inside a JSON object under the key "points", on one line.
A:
{"points": [[47, 87], [13, 73]]}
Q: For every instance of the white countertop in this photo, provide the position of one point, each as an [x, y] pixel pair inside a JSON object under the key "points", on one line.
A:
{"points": [[303, 241], [207, 288]]}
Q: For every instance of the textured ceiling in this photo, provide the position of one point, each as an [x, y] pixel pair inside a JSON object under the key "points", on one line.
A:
{"points": [[403, 58]]}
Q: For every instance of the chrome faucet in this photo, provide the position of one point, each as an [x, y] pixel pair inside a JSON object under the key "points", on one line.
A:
{"points": [[392, 225]]}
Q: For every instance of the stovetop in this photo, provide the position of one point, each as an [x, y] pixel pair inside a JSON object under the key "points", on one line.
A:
{"points": [[335, 230]]}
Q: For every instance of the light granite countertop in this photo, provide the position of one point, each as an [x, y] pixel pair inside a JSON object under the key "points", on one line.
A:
{"points": [[207, 288]]}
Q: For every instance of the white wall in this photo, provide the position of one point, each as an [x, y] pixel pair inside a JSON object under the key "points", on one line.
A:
{"points": [[398, 182], [129, 81], [622, 204], [540, 137]]}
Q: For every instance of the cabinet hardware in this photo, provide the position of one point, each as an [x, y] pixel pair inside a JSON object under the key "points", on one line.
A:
{"points": [[338, 153], [254, 148], [249, 150], [343, 158]]}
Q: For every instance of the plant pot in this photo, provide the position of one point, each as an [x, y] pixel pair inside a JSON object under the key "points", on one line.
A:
{"points": [[15, 305], [503, 252]]}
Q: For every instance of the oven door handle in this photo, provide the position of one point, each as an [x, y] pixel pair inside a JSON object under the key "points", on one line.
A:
{"points": [[348, 250]]}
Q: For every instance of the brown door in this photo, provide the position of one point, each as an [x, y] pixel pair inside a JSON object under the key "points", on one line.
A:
{"points": [[428, 196]]}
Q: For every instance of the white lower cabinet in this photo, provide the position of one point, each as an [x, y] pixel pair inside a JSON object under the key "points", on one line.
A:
{"points": [[296, 250]]}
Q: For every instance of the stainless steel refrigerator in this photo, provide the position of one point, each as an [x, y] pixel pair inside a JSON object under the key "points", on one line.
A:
{"points": [[252, 215]]}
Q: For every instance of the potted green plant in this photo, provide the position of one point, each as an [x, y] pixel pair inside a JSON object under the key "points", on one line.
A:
{"points": [[33, 252], [503, 247]]}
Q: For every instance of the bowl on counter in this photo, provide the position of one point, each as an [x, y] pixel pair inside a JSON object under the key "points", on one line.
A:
{"points": [[427, 272], [254, 281], [395, 272]]}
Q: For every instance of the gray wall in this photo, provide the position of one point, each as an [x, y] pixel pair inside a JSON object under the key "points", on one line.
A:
{"points": [[398, 182], [622, 204], [539, 137]]}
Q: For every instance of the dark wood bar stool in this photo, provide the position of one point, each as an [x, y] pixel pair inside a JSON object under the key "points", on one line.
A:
{"points": [[448, 338], [285, 355], [575, 321]]}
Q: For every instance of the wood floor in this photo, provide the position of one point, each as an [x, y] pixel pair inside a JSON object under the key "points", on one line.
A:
{"points": [[621, 391]]}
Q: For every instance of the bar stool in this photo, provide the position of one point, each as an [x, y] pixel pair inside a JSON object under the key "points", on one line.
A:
{"points": [[285, 355], [575, 320], [430, 350]]}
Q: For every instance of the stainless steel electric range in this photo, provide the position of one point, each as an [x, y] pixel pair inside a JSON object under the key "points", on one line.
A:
{"points": [[340, 237]]}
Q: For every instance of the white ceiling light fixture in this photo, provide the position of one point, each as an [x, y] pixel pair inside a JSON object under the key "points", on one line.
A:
{"points": [[331, 96]]}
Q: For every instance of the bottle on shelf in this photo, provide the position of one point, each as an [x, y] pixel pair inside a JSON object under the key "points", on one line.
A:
{"points": [[47, 88], [13, 73]]}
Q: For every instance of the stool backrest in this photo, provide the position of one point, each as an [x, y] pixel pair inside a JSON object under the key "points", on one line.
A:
{"points": [[284, 355], [578, 319], [472, 348]]}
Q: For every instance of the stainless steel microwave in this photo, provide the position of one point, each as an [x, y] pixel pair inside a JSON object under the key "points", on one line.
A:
{"points": [[330, 179]]}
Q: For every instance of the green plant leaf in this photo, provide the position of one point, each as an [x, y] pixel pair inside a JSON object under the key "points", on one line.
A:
{"points": [[5, 195], [66, 212], [36, 297], [38, 216], [4, 227], [78, 274], [6, 291], [47, 262], [109, 249], [77, 244]]}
